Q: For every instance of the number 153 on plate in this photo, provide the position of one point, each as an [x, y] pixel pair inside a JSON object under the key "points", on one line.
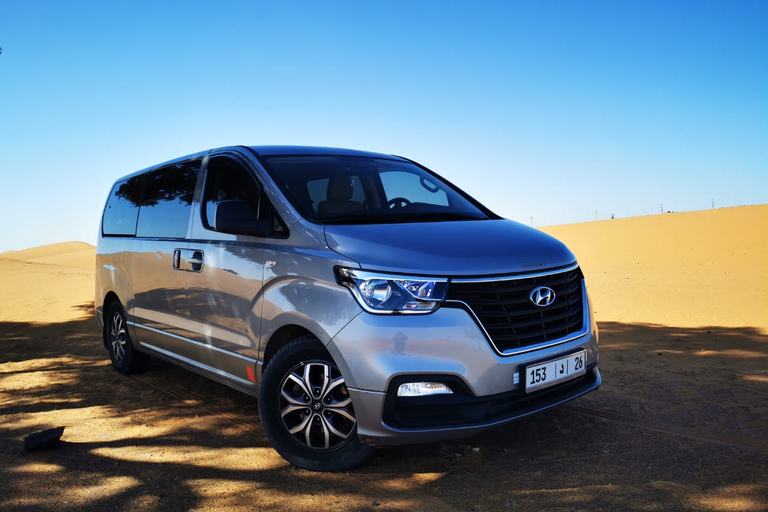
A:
{"points": [[548, 373]]}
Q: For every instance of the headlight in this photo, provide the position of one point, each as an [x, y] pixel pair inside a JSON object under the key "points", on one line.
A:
{"points": [[388, 294]]}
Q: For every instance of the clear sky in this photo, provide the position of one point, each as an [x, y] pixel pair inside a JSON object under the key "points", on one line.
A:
{"points": [[543, 109]]}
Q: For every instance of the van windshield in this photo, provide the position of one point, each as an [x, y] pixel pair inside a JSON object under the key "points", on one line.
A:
{"points": [[360, 190]]}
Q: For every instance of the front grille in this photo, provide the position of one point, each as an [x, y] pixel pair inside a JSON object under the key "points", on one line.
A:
{"points": [[509, 317]]}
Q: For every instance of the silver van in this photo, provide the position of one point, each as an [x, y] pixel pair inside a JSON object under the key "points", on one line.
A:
{"points": [[361, 297]]}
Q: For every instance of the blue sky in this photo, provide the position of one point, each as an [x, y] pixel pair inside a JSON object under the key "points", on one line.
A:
{"points": [[543, 109]]}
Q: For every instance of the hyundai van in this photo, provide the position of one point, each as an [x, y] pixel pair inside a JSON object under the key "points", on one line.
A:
{"points": [[363, 299]]}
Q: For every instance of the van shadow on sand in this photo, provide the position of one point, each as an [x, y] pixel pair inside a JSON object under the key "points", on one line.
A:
{"points": [[679, 424]]}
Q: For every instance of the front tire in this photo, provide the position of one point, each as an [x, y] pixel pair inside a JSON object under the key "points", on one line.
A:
{"points": [[306, 409], [125, 358]]}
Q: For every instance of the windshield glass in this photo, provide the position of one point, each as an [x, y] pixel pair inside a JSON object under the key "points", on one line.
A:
{"points": [[358, 190]]}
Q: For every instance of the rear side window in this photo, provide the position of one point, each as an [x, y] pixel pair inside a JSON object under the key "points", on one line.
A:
{"points": [[166, 203], [122, 208]]}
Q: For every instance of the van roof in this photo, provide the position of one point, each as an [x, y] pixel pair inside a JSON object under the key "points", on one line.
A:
{"points": [[312, 150], [271, 151]]}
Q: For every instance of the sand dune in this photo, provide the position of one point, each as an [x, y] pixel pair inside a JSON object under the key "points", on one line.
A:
{"points": [[47, 284], [76, 254], [693, 269]]}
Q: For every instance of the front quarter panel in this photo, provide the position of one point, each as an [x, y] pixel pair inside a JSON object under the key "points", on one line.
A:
{"points": [[300, 290]]}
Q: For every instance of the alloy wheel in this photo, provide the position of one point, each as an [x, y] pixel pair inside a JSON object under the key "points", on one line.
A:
{"points": [[117, 337], [315, 406]]}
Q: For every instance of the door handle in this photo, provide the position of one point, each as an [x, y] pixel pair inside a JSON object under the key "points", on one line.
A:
{"points": [[189, 260], [196, 261]]}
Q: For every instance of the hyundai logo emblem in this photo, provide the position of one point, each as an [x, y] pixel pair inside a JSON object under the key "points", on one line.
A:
{"points": [[542, 296]]}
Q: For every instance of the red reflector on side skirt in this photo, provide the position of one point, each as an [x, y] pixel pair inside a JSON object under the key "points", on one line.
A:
{"points": [[251, 375]]}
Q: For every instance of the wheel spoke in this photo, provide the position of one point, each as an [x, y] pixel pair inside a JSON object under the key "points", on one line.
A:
{"points": [[334, 430], [337, 383], [292, 408], [117, 325], [343, 412], [326, 379], [291, 399], [326, 434], [296, 380], [303, 425], [308, 378], [340, 404]]}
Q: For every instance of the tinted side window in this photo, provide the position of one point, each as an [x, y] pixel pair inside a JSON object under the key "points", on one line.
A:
{"points": [[167, 201], [122, 208]]}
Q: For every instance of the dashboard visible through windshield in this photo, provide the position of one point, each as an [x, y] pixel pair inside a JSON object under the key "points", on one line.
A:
{"points": [[361, 190]]}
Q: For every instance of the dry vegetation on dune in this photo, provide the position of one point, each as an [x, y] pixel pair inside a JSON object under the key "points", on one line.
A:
{"points": [[680, 423]]}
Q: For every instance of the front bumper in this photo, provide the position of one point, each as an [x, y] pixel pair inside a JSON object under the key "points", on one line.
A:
{"points": [[376, 353], [429, 419]]}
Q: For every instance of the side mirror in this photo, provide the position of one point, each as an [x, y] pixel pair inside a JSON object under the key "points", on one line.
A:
{"points": [[235, 216]]}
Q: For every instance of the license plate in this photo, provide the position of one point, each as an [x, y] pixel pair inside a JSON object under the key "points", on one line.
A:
{"points": [[549, 373]]}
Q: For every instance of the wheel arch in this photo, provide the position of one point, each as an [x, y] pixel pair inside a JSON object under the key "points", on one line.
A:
{"points": [[293, 307], [283, 336]]}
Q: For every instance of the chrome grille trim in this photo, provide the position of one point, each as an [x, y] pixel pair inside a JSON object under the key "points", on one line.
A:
{"points": [[510, 277], [511, 324]]}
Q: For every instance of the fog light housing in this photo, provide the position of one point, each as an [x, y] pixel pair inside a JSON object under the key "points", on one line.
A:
{"points": [[423, 389]]}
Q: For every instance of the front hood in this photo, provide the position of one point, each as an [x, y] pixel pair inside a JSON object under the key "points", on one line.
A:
{"points": [[464, 248]]}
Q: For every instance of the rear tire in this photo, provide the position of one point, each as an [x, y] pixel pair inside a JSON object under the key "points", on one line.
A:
{"points": [[306, 410], [125, 358]]}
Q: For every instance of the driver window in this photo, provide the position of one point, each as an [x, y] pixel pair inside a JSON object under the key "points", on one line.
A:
{"points": [[409, 186], [226, 179]]}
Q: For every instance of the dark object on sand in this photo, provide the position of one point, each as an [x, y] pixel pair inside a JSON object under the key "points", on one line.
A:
{"points": [[44, 440]]}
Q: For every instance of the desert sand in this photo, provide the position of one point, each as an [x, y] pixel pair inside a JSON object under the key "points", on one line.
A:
{"points": [[48, 284], [680, 423], [687, 269]]}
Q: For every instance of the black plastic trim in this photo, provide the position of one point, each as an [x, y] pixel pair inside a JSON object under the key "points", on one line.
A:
{"points": [[463, 409]]}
